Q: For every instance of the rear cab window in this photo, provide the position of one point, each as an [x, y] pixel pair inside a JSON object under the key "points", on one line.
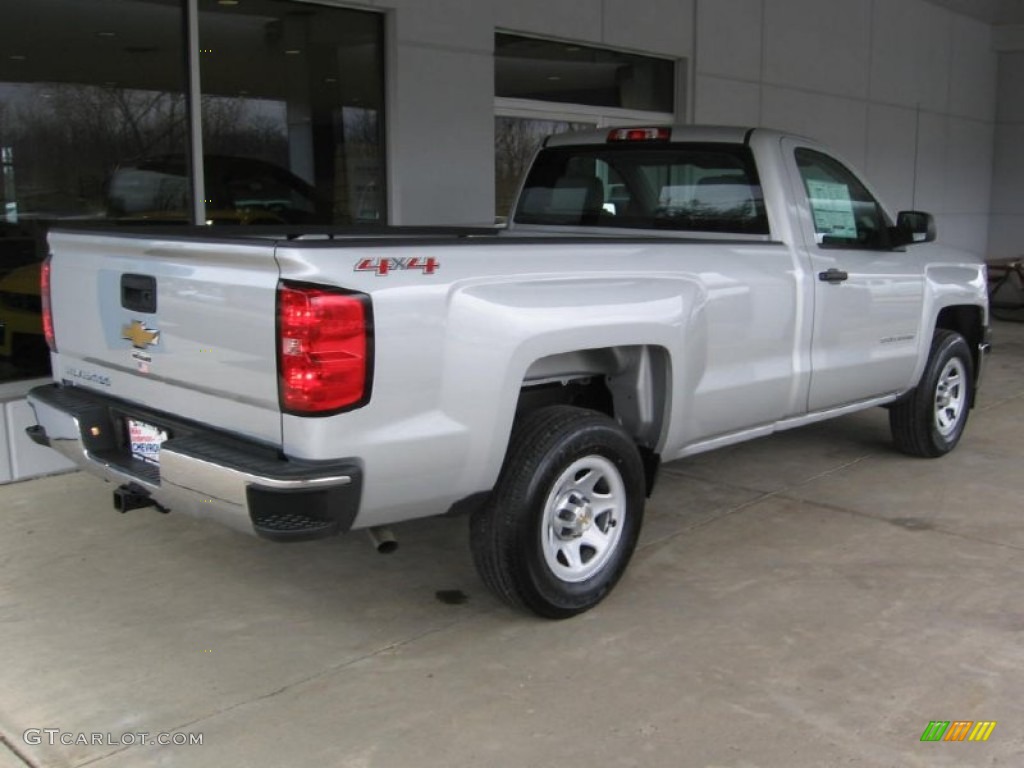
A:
{"points": [[681, 187]]}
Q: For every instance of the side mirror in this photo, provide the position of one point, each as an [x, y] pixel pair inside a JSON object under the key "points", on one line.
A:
{"points": [[913, 227]]}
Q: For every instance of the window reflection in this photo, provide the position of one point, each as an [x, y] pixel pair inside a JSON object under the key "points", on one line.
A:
{"points": [[102, 85], [94, 127], [515, 142], [239, 190], [64, 139], [568, 73], [292, 113]]}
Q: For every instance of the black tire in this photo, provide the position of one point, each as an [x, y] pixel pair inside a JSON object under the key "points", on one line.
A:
{"points": [[929, 421], [543, 542]]}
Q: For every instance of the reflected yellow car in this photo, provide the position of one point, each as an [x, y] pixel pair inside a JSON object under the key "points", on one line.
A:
{"points": [[21, 316]]}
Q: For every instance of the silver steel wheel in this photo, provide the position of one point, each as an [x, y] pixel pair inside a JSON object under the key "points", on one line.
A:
{"points": [[559, 528], [583, 520], [929, 421], [950, 396]]}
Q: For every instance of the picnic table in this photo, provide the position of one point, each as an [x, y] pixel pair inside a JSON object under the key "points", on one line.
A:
{"points": [[1006, 288]]}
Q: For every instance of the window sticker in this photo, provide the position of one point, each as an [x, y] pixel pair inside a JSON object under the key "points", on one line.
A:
{"points": [[832, 208]]}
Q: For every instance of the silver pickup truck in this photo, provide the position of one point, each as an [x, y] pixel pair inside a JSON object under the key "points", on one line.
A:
{"points": [[658, 292]]}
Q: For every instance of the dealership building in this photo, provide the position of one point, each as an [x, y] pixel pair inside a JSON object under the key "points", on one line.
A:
{"points": [[416, 112]]}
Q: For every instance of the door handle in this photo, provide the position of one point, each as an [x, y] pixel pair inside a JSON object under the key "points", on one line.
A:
{"points": [[833, 276]]}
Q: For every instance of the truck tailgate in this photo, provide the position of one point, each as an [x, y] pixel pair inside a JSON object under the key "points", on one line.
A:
{"points": [[201, 347]]}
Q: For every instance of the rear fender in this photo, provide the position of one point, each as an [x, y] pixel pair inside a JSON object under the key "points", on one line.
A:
{"points": [[629, 330]]}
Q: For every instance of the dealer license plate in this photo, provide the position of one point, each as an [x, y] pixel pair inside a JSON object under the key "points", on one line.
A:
{"points": [[145, 440]]}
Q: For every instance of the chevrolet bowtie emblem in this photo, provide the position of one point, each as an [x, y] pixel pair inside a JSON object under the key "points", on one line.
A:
{"points": [[139, 335]]}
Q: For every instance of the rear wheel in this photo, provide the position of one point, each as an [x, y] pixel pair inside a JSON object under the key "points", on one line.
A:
{"points": [[931, 419], [563, 520]]}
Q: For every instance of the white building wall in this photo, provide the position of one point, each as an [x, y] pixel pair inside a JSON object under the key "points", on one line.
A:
{"points": [[904, 90], [440, 105], [1006, 232]]}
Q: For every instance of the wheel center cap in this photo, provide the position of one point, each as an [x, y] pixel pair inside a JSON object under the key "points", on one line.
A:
{"points": [[574, 516], [944, 398]]}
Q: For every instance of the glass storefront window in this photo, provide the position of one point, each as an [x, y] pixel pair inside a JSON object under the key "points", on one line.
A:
{"points": [[94, 126], [568, 73], [85, 86], [293, 100]]}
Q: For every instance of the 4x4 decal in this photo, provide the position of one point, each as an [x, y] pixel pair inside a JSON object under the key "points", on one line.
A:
{"points": [[385, 265]]}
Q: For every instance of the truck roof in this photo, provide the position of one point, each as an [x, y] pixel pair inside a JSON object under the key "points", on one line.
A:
{"points": [[695, 133]]}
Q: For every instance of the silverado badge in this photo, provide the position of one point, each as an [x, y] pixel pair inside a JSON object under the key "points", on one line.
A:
{"points": [[139, 335]]}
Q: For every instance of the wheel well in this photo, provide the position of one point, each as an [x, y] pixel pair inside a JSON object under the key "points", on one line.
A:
{"points": [[967, 321], [629, 383], [585, 392]]}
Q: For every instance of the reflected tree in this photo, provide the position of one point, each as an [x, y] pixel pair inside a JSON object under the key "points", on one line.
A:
{"points": [[243, 127], [67, 139], [515, 141]]}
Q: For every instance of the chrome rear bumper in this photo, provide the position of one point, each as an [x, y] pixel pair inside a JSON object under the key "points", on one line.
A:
{"points": [[202, 472]]}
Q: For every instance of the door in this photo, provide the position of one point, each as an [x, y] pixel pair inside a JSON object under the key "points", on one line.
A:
{"points": [[868, 297]]}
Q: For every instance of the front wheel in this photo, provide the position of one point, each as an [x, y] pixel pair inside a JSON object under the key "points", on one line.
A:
{"points": [[563, 520], [930, 420]]}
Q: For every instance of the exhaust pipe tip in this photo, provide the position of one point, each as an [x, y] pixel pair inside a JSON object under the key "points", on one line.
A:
{"points": [[382, 539]]}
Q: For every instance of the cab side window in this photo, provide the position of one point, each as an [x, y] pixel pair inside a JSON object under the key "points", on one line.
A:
{"points": [[845, 214]]}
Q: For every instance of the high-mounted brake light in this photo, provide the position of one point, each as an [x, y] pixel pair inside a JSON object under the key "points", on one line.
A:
{"points": [[325, 349], [44, 292], [640, 134]]}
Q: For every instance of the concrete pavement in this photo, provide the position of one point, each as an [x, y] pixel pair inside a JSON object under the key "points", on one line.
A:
{"points": [[810, 599]]}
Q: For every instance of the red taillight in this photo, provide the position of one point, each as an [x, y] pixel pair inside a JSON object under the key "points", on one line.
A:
{"points": [[44, 292], [640, 134], [324, 349]]}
